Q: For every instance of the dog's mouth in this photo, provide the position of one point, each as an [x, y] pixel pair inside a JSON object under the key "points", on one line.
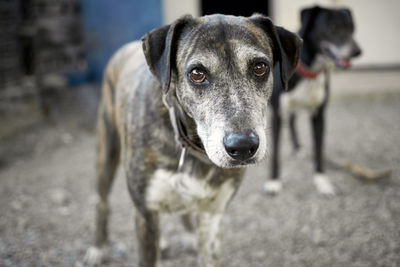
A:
{"points": [[343, 63], [234, 163], [331, 51], [242, 163]]}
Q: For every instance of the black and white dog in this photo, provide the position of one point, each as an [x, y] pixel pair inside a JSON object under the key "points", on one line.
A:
{"points": [[327, 40]]}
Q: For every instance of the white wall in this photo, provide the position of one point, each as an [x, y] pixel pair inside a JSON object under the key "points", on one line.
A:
{"points": [[174, 9], [377, 26]]}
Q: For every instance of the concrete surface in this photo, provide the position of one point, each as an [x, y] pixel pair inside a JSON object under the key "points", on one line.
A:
{"points": [[47, 190]]}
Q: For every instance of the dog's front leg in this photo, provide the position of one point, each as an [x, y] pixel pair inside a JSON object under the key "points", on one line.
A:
{"points": [[147, 232], [321, 181], [273, 186], [209, 238]]}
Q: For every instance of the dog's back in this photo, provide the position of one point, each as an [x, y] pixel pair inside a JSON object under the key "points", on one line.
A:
{"points": [[127, 61], [125, 105]]}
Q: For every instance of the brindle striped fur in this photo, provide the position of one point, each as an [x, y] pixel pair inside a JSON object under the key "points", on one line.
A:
{"points": [[134, 127]]}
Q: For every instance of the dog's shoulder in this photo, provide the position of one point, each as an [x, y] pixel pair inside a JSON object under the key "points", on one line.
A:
{"points": [[135, 86], [129, 58]]}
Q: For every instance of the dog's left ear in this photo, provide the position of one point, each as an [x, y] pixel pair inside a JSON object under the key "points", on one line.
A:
{"points": [[347, 12], [286, 46], [159, 47], [349, 16]]}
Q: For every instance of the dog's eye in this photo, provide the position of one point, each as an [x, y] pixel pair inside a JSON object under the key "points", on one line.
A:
{"points": [[197, 75], [260, 69]]}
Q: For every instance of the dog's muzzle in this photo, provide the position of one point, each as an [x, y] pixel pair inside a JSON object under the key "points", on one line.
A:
{"points": [[241, 146]]}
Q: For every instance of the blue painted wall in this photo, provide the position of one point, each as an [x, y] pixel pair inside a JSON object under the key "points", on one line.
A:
{"points": [[109, 24]]}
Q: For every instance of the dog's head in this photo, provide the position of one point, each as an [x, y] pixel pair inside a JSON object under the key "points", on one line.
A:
{"points": [[330, 32], [221, 70]]}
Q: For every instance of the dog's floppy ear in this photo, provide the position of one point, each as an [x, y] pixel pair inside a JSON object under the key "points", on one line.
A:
{"points": [[307, 16], [349, 15], [159, 47], [347, 11], [286, 46]]}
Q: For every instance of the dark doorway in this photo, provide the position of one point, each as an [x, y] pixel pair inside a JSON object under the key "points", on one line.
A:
{"points": [[229, 7]]}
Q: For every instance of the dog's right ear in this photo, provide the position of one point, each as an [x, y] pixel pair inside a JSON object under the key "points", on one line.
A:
{"points": [[159, 47], [307, 16]]}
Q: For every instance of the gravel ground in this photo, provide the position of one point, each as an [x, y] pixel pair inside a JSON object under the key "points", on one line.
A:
{"points": [[47, 195]]}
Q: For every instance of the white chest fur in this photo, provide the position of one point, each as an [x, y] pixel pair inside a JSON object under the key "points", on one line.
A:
{"points": [[169, 192], [308, 94]]}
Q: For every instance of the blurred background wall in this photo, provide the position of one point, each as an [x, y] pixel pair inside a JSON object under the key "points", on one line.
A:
{"points": [[75, 38], [47, 44], [377, 22], [110, 24]]}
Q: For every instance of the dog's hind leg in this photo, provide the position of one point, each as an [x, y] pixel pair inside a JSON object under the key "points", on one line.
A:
{"points": [[108, 153], [148, 234], [297, 149], [107, 163], [293, 132]]}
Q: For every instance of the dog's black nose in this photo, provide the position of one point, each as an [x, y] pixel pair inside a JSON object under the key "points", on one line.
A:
{"points": [[356, 52], [241, 146]]}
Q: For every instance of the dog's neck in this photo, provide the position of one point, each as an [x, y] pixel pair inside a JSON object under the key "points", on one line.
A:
{"points": [[313, 60], [307, 54], [312, 64], [190, 130], [184, 128]]}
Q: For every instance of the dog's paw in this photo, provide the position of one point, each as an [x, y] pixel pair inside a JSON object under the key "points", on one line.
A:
{"points": [[94, 256], [273, 187], [324, 185]]}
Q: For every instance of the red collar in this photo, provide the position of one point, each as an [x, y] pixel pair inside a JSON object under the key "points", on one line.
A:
{"points": [[305, 72]]}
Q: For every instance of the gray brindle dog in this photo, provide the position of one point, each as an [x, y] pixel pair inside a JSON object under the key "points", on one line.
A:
{"points": [[193, 94]]}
